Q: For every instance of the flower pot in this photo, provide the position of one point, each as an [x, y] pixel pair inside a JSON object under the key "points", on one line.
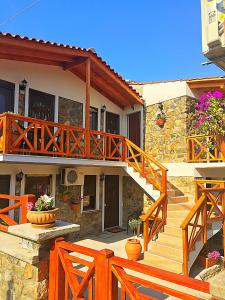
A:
{"points": [[133, 249], [206, 262], [65, 198], [160, 122], [75, 207], [220, 139], [42, 219]]}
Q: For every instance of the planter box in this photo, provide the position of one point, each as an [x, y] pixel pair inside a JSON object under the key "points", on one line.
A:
{"points": [[206, 262]]}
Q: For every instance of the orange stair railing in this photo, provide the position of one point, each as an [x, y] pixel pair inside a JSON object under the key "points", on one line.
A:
{"points": [[209, 208], [78, 272], [155, 174], [20, 203]]}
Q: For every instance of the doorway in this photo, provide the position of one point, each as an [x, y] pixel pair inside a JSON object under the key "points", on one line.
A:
{"points": [[134, 128], [111, 210], [38, 185], [112, 123]]}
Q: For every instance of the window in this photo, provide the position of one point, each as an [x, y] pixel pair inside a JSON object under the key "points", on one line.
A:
{"points": [[38, 185], [7, 90], [89, 200], [93, 118], [4, 189], [41, 105], [70, 112]]}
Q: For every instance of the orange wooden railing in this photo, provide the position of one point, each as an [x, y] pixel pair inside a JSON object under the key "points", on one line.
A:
{"points": [[26, 135], [77, 272], [198, 151], [20, 202], [155, 174], [209, 208]]}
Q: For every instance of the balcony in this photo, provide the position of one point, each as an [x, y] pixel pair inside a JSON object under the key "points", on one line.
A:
{"points": [[198, 151], [24, 135]]}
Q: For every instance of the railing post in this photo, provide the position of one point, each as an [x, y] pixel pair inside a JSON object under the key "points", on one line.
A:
{"points": [[185, 251], [6, 133], [124, 150], [24, 200], [88, 143], [102, 284], [145, 234], [204, 221]]}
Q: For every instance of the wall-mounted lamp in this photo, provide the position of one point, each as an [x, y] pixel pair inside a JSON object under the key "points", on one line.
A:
{"points": [[23, 85], [102, 177], [19, 176], [103, 109], [132, 107]]}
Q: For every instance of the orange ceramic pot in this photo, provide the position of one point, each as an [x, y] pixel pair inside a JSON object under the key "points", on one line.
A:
{"points": [[220, 139], [160, 122], [65, 198], [75, 207], [133, 249], [43, 219]]}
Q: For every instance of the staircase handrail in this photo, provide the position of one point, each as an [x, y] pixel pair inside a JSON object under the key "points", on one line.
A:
{"points": [[149, 213], [139, 166], [204, 211]]}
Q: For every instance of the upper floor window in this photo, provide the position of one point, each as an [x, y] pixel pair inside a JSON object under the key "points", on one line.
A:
{"points": [[41, 105], [70, 112], [93, 118], [7, 90]]}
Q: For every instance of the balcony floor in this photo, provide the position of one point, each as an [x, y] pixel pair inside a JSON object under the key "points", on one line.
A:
{"points": [[34, 159]]}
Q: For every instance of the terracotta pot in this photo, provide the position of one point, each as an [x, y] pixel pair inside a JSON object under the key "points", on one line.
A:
{"points": [[65, 198], [206, 262], [160, 122], [220, 139], [75, 207], [133, 249], [43, 219]]}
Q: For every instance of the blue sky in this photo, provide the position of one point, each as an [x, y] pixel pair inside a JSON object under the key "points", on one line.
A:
{"points": [[142, 40]]}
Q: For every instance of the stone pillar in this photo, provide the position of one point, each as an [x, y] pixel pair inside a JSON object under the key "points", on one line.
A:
{"points": [[24, 260]]}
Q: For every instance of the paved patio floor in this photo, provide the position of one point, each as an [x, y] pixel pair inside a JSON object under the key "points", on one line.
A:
{"points": [[116, 242]]}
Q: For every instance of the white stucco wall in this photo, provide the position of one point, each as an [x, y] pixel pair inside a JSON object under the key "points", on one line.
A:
{"points": [[54, 80], [161, 91]]}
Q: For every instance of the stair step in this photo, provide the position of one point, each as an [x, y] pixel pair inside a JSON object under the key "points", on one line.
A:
{"points": [[170, 240], [180, 206], [178, 199], [174, 221], [173, 230], [161, 249], [173, 193], [164, 263], [177, 214]]}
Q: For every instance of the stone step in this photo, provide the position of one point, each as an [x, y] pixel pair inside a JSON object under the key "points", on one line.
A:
{"points": [[173, 230], [174, 221], [172, 252], [177, 214], [163, 263], [180, 206], [178, 199], [173, 193], [170, 240]]}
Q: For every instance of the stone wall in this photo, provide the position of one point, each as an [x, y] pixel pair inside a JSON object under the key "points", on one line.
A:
{"points": [[20, 280], [133, 198], [168, 144], [185, 184]]}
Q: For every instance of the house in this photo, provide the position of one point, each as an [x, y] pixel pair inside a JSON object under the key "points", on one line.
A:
{"points": [[65, 115], [191, 165], [213, 31]]}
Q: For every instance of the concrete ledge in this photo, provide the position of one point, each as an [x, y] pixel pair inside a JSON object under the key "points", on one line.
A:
{"points": [[26, 231]]}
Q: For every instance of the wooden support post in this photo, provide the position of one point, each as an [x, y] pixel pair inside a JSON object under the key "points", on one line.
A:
{"points": [[6, 133], [185, 251], [102, 284], [87, 105], [145, 234]]}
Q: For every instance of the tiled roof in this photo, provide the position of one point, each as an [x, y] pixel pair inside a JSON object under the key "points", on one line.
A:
{"points": [[90, 50], [174, 80]]}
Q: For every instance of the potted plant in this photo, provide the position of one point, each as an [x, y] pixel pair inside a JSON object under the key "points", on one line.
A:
{"points": [[210, 119], [210, 259], [161, 116], [75, 203], [42, 214], [133, 246], [65, 193]]}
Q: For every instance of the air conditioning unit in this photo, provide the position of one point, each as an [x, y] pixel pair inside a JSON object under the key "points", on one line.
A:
{"points": [[71, 176], [212, 26]]}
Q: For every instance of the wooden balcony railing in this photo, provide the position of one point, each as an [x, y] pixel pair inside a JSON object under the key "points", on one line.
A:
{"points": [[20, 203], [209, 208], [78, 272], [25, 135], [199, 152]]}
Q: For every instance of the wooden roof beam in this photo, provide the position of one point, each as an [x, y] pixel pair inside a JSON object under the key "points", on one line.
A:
{"points": [[67, 66]]}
